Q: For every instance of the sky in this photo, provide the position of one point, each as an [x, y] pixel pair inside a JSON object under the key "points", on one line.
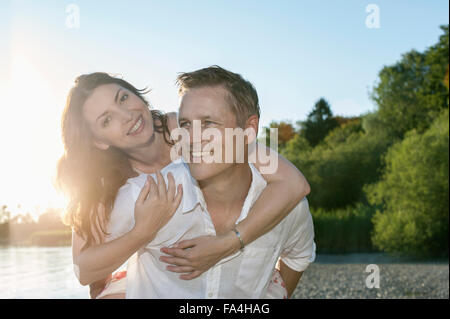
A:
{"points": [[294, 53]]}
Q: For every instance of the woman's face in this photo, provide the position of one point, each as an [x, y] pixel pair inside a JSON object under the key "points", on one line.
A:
{"points": [[117, 117]]}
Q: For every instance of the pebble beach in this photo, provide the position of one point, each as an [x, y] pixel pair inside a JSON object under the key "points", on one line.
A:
{"points": [[344, 277]]}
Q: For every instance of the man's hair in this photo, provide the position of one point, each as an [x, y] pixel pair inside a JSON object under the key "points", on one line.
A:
{"points": [[242, 95]]}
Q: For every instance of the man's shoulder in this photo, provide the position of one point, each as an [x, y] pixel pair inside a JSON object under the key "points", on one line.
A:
{"points": [[129, 192], [178, 168], [300, 214], [303, 206]]}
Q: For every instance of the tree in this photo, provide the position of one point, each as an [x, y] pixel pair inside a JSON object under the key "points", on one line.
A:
{"points": [[341, 133], [4, 223], [286, 132], [5, 215], [320, 121], [411, 93], [414, 194], [338, 168]]}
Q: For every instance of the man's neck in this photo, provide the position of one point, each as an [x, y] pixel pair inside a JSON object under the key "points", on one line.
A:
{"points": [[151, 157], [225, 195]]}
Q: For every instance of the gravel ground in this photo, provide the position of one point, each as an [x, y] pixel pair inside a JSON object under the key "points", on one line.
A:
{"points": [[344, 277]]}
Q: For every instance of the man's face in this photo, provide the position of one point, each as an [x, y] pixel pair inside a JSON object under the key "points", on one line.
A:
{"points": [[210, 106]]}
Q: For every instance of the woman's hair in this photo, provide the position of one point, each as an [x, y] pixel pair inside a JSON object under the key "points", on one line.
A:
{"points": [[91, 177]]}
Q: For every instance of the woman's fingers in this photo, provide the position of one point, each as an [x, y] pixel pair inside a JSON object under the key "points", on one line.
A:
{"points": [[153, 192], [175, 252], [170, 187], [174, 261], [186, 244], [177, 199], [180, 269], [144, 192], [191, 275], [162, 190]]}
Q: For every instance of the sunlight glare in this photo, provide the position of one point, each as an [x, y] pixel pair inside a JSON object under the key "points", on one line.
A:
{"points": [[31, 140]]}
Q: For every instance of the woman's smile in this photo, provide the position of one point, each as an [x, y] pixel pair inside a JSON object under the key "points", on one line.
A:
{"points": [[137, 127]]}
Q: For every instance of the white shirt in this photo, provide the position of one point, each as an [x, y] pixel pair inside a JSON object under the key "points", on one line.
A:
{"points": [[243, 275]]}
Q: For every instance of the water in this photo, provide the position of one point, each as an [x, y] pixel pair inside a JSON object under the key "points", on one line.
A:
{"points": [[39, 273]]}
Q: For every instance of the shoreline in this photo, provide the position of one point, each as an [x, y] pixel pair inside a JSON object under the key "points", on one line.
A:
{"points": [[375, 258], [350, 258]]}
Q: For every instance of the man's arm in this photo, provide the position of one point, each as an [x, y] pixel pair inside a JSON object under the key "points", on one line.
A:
{"points": [[290, 277], [299, 250]]}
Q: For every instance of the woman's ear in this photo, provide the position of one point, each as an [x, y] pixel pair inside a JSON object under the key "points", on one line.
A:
{"points": [[101, 145], [252, 124]]}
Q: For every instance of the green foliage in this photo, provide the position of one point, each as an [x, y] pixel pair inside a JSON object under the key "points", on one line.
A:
{"points": [[373, 124], [414, 194], [341, 134], [320, 121], [395, 158], [338, 168], [296, 149], [286, 132], [412, 93], [345, 230]]}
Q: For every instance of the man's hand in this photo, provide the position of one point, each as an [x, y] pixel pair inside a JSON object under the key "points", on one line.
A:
{"points": [[195, 256]]}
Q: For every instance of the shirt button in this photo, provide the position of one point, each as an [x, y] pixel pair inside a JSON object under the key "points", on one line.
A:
{"points": [[210, 295]]}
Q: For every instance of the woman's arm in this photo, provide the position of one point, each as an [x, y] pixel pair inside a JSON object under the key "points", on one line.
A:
{"points": [[99, 261], [287, 184]]}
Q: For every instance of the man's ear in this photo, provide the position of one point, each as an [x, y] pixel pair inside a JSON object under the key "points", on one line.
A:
{"points": [[101, 145], [252, 123]]}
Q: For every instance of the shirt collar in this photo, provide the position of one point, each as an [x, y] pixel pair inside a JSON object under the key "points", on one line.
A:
{"points": [[195, 194], [257, 186], [190, 195]]}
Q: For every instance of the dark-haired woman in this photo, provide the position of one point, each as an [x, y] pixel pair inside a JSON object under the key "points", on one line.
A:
{"points": [[110, 134]]}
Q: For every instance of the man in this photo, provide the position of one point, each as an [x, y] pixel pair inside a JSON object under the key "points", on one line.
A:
{"points": [[217, 196]]}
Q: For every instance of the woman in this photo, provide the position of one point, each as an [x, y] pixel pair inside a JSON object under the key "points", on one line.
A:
{"points": [[110, 135]]}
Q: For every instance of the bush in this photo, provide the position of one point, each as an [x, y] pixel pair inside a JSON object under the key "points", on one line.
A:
{"points": [[414, 194], [345, 230], [338, 168]]}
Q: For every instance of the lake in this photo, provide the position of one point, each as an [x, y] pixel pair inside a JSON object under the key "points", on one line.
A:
{"points": [[38, 273]]}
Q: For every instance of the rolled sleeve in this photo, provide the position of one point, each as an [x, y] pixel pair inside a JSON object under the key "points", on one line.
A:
{"points": [[300, 248]]}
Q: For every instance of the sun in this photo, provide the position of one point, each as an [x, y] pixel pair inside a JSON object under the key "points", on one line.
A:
{"points": [[30, 137]]}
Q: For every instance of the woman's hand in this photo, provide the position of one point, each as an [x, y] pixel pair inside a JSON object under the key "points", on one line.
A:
{"points": [[155, 206], [195, 256], [152, 210]]}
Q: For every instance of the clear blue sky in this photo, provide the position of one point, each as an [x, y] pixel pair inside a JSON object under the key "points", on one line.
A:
{"points": [[294, 52]]}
